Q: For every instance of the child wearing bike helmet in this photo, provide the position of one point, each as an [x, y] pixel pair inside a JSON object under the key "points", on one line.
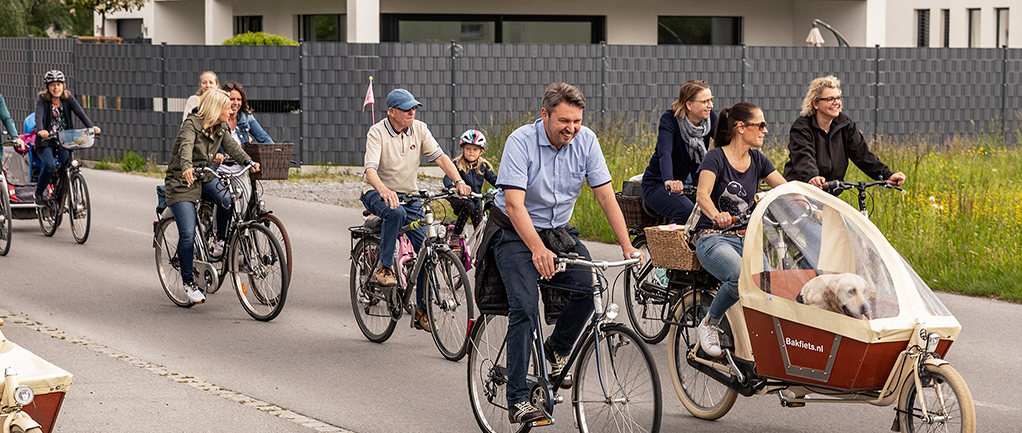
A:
{"points": [[53, 110], [474, 170]]}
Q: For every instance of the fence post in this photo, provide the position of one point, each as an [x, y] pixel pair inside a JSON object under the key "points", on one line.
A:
{"points": [[1004, 93], [876, 96], [301, 101], [744, 62], [454, 88], [603, 82], [163, 83], [31, 67]]}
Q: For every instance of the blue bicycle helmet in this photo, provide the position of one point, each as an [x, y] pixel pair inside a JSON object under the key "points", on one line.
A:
{"points": [[475, 137]]}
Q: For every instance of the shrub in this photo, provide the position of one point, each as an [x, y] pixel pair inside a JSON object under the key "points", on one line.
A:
{"points": [[259, 38], [131, 161]]}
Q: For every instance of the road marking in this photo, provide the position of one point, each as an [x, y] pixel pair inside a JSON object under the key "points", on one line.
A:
{"points": [[134, 232], [999, 407], [181, 378]]}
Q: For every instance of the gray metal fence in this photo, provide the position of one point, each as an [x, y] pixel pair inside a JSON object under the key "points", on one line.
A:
{"points": [[136, 91]]}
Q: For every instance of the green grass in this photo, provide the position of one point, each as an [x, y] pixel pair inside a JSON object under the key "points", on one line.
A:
{"points": [[959, 223]]}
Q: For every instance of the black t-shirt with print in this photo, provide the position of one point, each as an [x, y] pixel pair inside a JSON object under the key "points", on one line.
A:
{"points": [[734, 190]]}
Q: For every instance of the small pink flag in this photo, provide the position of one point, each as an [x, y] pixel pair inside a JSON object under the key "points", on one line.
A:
{"points": [[370, 99]]}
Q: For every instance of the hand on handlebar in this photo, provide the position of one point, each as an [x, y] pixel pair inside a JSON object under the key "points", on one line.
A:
{"points": [[463, 189], [896, 179], [724, 220], [544, 262], [96, 129], [819, 182], [44, 134], [389, 197], [189, 175], [255, 167], [674, 186]]}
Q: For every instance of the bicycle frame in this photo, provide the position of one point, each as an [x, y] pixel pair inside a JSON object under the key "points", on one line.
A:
{"points": [[430, 242]]}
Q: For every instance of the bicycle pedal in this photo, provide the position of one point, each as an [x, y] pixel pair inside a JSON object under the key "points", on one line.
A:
{"points": [[542, 423]]}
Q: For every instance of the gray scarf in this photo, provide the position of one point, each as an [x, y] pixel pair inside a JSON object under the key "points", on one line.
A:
{"points": [[693, 136]]}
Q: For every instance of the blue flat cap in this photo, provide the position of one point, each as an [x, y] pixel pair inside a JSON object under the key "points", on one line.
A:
{"points": [[402, 100]]}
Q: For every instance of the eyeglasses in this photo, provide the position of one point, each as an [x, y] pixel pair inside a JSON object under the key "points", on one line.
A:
{"points": [[231, 85], [761, 125], [708, 101], [831, 100]]}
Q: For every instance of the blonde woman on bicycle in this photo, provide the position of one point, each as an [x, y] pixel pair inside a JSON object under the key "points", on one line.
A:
{"points": [[197, 143]]}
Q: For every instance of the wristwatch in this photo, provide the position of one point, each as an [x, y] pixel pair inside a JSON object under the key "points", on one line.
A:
{"points": [[459, 181]]}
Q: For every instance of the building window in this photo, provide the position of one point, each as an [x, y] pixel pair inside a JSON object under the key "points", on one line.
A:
{"points": [[699, 30], [946, 27], [320, 28], [1002, 26], [530, 29], [130, 28], [252, 23], [974, 28], [922, 27]]}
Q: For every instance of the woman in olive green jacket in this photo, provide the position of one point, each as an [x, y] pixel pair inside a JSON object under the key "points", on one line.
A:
{"points": [[200, 137]]}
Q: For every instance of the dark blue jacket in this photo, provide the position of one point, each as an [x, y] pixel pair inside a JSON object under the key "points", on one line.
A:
{"points": [[44, 116], [474, 179], [670, 160]]}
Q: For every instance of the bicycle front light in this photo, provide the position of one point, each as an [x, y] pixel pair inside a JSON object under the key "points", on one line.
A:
{"points": [[612, 311], [23, 395], [931, 342]]}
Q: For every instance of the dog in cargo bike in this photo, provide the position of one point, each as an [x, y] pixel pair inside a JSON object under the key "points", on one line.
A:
{"points": [[893, 354]]}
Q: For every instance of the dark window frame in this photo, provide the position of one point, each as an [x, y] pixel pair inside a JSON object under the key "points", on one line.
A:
{"points": [[946, 15], [969, 13], [247, 23], [737, 32], [922, 27], [390, 23], [303, 29], [997, 19]]}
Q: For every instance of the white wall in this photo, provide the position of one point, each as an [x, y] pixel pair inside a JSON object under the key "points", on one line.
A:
{"points": [[901, 31]]}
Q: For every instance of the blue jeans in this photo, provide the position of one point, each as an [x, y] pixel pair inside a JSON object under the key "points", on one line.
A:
{"points": [[45, 154], [721, 255], [393, 220], [185, 217], [675, 206], [520, 278]]}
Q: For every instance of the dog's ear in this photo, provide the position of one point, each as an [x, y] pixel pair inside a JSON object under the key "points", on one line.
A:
{"points": [[832, 302]]}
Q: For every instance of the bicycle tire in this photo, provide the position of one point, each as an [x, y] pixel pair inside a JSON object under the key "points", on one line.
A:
{"points": [[646, 313], [5, 219], [49, 216], [259, 272], [206, 231], [941, 383], [632, 401], [271, 222], [487, 380], [703, 396], [167, 267], [450, 305], [369, 303], [79, 208]]}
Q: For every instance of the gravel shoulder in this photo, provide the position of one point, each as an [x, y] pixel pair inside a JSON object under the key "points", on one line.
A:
{"points": [[339, 193]]}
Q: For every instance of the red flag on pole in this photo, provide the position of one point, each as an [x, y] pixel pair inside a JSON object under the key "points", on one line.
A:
{"points": [[370, 100]]}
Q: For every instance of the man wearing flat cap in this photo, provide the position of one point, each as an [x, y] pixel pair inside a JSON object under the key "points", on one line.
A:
{"points": [[394, 147]]}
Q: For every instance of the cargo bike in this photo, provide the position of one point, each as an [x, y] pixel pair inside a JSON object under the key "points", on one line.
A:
{"points": [[774, 343], [32, 390]]}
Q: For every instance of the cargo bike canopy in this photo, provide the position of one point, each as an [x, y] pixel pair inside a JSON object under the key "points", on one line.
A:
{"points": [[798, 232]]}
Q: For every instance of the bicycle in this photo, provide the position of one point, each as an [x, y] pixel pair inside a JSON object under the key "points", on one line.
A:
{"points": [[5, 210], [253, 209], [648, 292], [616, 383], [450, 307], [67, 190], [462, 245], [252, 255], [838, 186]]}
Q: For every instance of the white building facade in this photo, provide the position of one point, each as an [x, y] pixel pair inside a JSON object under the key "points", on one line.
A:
{"points": [[889, 23]]}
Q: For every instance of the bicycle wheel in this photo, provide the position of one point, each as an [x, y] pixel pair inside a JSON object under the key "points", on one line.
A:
{"points": [[646, 297], [368, 301], [167, 266], [947, 398], [276, 227], [620, 391], [703, 396], [49, 216], [206, 231], [5, 220], [449, 304], [79, 209], [487, 375], [260, 274]]}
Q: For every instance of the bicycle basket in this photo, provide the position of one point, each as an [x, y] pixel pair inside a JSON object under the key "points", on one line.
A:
{"points": [[77, 138], [274, 159]]}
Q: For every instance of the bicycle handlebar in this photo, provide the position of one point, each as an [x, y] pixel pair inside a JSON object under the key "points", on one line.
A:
{"points": [[573, 259], [228, 176], [839, 186], [687, 190]]}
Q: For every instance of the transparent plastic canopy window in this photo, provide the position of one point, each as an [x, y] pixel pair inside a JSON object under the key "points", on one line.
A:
{"points": [[802, 234]]}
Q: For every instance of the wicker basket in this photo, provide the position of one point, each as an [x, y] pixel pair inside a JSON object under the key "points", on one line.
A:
{"points": [[636, 216], [274, 159], [668, 249]]}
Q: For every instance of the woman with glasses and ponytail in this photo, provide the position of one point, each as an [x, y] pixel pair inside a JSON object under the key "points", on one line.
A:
{"points": [[823, 139], [728, 178]]}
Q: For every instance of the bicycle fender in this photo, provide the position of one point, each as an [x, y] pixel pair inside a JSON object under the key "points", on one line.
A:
{"points": [[934, 361], [23, 420]]}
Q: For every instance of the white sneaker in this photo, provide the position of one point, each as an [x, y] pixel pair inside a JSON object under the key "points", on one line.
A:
{"points": [[709, 338], [218, 248], [194, 294]]}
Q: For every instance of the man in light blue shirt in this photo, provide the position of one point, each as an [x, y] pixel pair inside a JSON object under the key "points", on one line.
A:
{"points": [[541, 174]]}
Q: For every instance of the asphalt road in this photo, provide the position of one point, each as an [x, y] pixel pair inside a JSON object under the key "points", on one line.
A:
{"points": [[143, 364]]}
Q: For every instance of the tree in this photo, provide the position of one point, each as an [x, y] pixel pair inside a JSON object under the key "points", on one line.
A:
{"points": [[42, 18], [14, 13], [103, 7]]}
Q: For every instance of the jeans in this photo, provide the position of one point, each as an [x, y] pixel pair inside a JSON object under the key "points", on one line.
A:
{"points": [[45, 154], [721, 255], [185, 218], [393, 220], [675, 206], [520, 278]]}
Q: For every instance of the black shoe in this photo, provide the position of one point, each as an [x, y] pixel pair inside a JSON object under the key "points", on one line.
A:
{"points": [[557, 364], [40, 201], [525, 412]]}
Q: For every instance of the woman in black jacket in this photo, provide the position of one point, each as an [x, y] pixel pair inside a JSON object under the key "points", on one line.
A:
{"points": [[53, 110], [823, 139]]}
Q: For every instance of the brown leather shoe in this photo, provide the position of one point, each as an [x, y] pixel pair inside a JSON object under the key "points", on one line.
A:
{"points": [[422, 320], [385, 276]]}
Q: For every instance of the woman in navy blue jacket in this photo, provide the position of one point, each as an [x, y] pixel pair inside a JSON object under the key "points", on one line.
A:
{"points": [[53, 110], [682, 140]]}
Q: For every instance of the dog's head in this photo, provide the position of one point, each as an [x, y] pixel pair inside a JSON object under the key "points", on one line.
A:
{"points": [[849, 293]]}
